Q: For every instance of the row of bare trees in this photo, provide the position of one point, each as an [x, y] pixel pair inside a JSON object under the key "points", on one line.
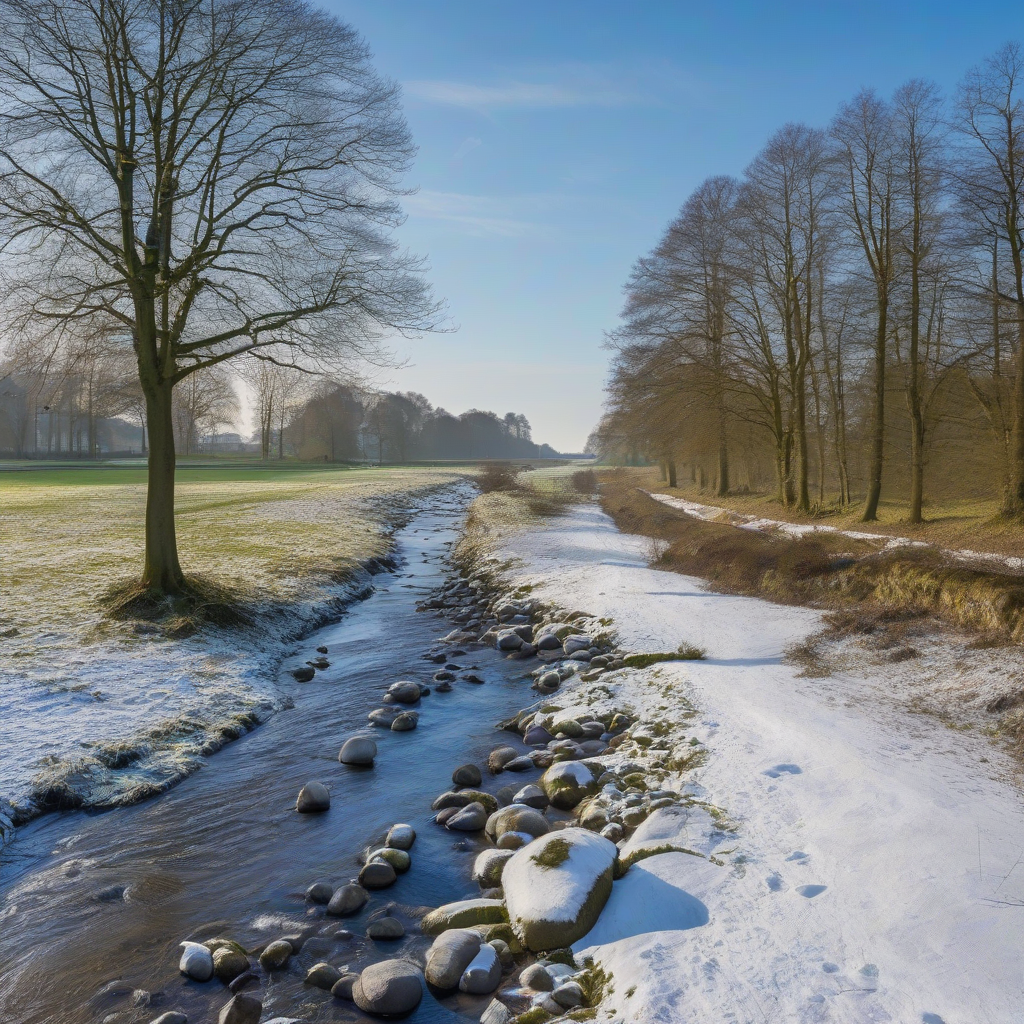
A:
{"points": [[851, 311]]}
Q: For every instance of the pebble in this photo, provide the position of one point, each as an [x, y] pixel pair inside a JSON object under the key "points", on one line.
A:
{"points": [[196, 961], [242, 1009], [467, 775], [385, 929], [535, 977], [322, 976], [400, 837], [349, 899], [358, 750], [314, 796], [320, 892], [276, 955], [377, 875], [342, 988]]}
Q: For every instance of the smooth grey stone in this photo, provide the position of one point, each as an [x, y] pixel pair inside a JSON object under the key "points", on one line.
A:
{"points": [[320, 892], [377, 875], [451, 953], [349, 899], [358, 750], [303, 674], [471, 818], [322, 976], [532, 796], [389, 988], [342, 988], [170, 1017], [314, 796], [405, 722], [405, 691], [243, 1009], [534, 976], [196, 961], [483, 975], [467, 775], [276, 955], [385, 929], [568, 994], [400, 837]]}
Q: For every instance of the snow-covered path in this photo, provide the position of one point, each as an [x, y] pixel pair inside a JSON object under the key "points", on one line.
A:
{"points": [[878, 869]]}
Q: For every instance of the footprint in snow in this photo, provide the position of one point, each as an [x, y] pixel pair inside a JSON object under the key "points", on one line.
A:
{"points": [[798, 855], [783, 769], [810, 891], [774, 882]]}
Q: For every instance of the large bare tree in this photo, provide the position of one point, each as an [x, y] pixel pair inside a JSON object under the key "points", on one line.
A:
{"points": [[216, 178]]}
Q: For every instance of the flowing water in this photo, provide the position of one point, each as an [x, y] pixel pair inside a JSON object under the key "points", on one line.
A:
{"points": [[93, 905]]}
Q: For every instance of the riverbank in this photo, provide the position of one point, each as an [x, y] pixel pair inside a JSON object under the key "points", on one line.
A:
{"points": [[871, 868], [96, 712]]}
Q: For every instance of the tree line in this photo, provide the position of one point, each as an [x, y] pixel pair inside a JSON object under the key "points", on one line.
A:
{"points": [[847, 318]]}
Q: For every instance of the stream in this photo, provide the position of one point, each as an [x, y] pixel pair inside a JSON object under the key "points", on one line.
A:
{"points": [[94, 905]]}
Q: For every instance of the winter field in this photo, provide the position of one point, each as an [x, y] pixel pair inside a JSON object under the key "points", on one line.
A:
{"points": [[864, 860], [96, 712]]}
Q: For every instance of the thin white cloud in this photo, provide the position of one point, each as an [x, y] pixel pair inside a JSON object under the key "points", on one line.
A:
{"points": [[467, 147], [505, 217], [518, 94]]}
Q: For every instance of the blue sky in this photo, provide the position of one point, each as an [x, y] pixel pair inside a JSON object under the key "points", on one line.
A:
{"points": [[557, 139]]}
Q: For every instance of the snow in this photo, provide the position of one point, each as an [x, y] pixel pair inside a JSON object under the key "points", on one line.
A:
{"points": [[575, 770], [876, 870], [537, 893], [887, 542]]}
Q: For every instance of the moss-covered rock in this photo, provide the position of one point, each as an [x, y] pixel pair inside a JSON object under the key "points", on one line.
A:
{"points": [[566, 783], [464, 914]]}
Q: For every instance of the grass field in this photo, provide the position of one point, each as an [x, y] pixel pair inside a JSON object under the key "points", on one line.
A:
{"points": [[71, 534]]}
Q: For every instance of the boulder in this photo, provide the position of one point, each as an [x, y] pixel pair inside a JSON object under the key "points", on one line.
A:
{"points": [[467, 775], [471, 818], [548, 642], [322, 976], [567, 783], [463, 797], [556, 887], [488, 866], [509, 640], [405, 691], [496, 1013], [276, 955], [499, 757], [320, 892], [349, 899], [314, 796], [377, 875], [303, 674], [385, 929], [569, 994], [228, 964], [196, 961], [523, 763], [532, 796], [450, 955], [242, 1009], [463, 914], [535, 977], [390, 988], [516, 818], [358, 750], [513, 840], [537, 736], [398, 859], [342, 988], [575, 643], [405, 722], [383, 716], [483, 975], [400, 837]]}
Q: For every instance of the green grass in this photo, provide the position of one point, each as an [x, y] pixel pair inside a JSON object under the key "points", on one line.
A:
{"points": [[685, 653], [266, 536]]}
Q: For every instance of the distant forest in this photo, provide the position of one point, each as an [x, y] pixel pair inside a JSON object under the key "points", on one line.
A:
{"points": [[92, 406], [846, 319]]}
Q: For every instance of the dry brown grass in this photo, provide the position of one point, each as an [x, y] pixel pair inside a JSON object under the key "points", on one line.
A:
{"points": [[824, 570]]}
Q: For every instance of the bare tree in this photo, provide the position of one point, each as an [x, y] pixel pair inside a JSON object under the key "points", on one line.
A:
{"points": [[990, 109], [202, 402], [217, 177], [864, 131]]}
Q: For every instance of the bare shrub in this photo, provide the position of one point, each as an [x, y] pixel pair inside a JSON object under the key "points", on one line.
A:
{"points": [[498, 476], [584, 481]]}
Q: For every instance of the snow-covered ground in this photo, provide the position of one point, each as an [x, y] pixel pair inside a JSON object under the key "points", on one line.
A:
{"points": [[887, 541], [877, 868]]}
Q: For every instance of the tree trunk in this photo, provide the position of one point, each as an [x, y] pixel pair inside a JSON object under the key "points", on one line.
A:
{"points": [[162, 571], [672, 473], [878, 425]]}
